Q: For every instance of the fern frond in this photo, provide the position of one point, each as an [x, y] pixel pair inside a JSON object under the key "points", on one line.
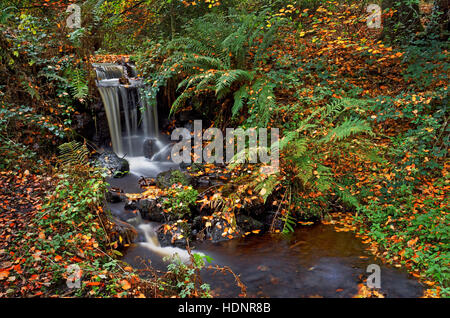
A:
{"points": [[267, 187], [346, 196], [78, 83], [350, 126], [239, 98], [289, 223], [73, 153], [232, 76], [181, 100]]}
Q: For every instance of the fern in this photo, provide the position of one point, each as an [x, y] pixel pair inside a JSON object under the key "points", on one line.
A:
{"points": [[230, 77], [350, 126], [240, 96], [267, 187], [73, 153], [78, 83], [339, 107], [289, 223], [179, 102], [214, 57], [346, 197]]}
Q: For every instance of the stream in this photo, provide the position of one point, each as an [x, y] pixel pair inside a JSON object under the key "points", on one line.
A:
{"points": [[314, 261]]}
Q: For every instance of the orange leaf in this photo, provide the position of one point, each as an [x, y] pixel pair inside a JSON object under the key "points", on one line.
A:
{"points": [[125, 284], [4, 274]]}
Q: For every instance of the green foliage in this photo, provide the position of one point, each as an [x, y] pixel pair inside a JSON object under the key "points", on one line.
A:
{"points": [[289, 223], [349, 127], [71, 227], [184, 278], [402, 219], [73, 154], [303, 150], [222, 55], [426, 141], [426, 62], [15, 153], [302, 146], [179, 201], [78, 82], [268, 185]]}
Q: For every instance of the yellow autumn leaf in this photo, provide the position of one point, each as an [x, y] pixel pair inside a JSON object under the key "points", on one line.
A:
{"points": [[125, 284]]}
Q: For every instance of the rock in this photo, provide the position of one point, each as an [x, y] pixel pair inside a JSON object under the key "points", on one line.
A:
{"points": [[167, 178], [124, 230], [197, 223], [117, 167], [184, 165], [164, 154], [269, 219], [146, 182], [150, 148], [84, 125], [101, 135], [185, 116], [189, 126], [124, 80], [113, 196], [130, 205], [203, 182], [216, 234], [151, 210], [248, 224], [135, 221], [177, 237]]}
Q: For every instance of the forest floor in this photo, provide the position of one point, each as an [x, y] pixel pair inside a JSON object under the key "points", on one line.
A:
{"points": [[403, 209]]}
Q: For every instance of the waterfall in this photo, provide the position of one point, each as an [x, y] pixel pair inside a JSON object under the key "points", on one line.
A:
{"points": [[131, 120], [152, 243], [133, 126]]}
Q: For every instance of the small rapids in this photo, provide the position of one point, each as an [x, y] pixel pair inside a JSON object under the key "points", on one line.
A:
{"points": [[152, 243], [133, 126], [314, 261]]}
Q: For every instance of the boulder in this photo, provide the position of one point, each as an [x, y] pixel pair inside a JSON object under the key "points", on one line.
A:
{"points": [[116, 166], [151, 210], [248, 224], [269, 221], [131, 205], [150, 148], [123, 230], [185, 116], [115, 196], [177, 237], [164, 153], [216, 234], [167, 178]]}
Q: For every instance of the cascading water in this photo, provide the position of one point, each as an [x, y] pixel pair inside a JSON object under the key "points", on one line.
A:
{"points": [[133, 126], [131, 121], [152, 243]]}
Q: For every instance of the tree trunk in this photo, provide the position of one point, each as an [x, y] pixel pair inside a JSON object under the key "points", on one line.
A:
{"points": [[402, 20]]}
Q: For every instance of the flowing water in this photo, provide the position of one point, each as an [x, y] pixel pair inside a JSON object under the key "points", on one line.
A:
{"points": [[133, 124], [313, 261], [131, 121]]}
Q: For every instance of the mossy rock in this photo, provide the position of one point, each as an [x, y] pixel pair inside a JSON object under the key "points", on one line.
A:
{"points": [[168, 178], [116, 166]]}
